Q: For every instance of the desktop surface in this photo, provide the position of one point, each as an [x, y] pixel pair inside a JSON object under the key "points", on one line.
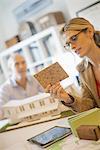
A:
{"points": [[17, 139]]}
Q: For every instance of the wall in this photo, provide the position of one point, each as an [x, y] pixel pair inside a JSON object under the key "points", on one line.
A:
{"points": [[9, 26], [9, 22], [1, 37], [76, 5]]}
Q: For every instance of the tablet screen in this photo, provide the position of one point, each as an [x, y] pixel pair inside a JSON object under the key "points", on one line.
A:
{"points": [[51, 135]]}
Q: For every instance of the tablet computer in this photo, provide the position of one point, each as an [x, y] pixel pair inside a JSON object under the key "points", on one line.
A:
{"points": [[50, 136]]}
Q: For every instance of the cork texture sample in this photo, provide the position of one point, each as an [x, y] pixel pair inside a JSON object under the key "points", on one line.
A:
{"points": [[50, 75]]}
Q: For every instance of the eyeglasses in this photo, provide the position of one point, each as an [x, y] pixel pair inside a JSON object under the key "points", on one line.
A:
{"points": [[73, 39]]}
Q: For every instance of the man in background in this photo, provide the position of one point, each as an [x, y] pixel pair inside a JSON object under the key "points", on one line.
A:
{"points": [[19, 85]]}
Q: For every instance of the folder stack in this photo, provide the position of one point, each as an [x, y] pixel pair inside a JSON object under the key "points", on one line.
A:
{"points": [[90, 117]]}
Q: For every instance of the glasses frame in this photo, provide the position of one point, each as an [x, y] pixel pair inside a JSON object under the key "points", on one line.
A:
{"points": [[73, 39]]}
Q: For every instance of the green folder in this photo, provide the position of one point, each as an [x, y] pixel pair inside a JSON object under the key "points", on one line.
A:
{"points": [[90, 117], [4, 124]]}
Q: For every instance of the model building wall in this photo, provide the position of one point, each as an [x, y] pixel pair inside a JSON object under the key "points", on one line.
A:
{"points": [[33, 108]]}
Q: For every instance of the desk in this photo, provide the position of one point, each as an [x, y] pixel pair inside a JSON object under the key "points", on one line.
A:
{"points": [[17, 139]]}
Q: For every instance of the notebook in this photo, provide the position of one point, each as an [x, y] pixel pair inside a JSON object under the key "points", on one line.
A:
{"points": [[90, 117]]}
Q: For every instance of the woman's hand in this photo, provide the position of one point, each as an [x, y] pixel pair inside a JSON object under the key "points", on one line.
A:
{"points": [[58, 92]]}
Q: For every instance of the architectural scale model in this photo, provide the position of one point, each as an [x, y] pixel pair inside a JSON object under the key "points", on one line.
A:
{"points": [[32, 109]]}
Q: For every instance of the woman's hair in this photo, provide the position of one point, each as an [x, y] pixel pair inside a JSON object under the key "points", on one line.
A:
{"points": [[77, 24]]}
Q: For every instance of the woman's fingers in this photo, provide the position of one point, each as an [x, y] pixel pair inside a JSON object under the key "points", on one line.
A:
{"points": [[55, 90], [60, 91], [54, 87], [47, 90]]}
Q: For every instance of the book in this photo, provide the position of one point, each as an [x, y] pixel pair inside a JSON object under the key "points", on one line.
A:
{"points": [[51, 75], [3, 124], [90, 117]]}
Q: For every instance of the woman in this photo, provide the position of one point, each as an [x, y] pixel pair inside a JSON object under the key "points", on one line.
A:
{"points": [[82, 38]]}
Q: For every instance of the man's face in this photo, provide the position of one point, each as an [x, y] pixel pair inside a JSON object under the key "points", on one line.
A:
{"points": [[19, 67]]}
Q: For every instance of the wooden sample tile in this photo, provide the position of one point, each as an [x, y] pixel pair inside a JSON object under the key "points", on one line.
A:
{"points": [[51, 75]]}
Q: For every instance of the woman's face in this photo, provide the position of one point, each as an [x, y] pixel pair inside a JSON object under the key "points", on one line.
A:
{"points": [[80, 41]]}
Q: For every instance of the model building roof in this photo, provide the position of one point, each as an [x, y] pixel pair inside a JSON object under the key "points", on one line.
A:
{"points": [[15, 103]]}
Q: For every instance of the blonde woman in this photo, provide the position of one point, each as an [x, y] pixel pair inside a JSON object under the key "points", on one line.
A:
{"points": [[82, 38]]}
